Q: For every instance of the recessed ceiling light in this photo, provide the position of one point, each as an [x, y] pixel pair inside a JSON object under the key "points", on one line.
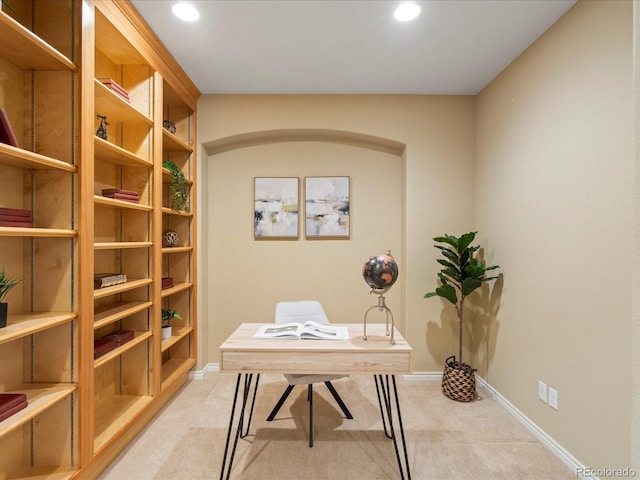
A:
{"points": [[185, 12], [406, 12]]}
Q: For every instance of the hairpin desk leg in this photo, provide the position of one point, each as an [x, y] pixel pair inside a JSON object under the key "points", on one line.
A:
{"points": [[386, 412], [229, 454]]}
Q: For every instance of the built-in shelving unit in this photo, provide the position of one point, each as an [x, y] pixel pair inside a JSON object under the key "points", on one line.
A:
{"points": [[55, 60]]}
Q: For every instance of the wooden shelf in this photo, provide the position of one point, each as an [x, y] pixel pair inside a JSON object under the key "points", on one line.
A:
{"points": [[138, 338], [120, 245], [112, 419], [171, 143], [178, 287], [112, 202], [176, 249], [115, 107], [174, 369], [112, 312], [25, 324], [37, 232], [19, 158], [130, 284], [166, 177], [40, 396], [181, 213], [28, 51], [173, 339], [109, 152]]}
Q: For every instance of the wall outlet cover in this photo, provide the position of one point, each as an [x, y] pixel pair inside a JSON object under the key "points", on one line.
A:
{"points": [[542, 391], [553, 398]]}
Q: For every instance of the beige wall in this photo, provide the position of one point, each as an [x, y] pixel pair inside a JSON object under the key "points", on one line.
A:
{"points": [[554, 194], [400, 201], [541, 163]]}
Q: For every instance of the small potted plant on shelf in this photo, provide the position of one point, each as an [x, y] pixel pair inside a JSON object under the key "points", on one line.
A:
{"points": [[460, 276], [6, 284], [179, 187], [168, 314]]}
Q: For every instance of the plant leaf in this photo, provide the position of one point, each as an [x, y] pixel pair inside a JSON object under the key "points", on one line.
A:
{"points": [[450, 239], [465, 240], [469, 285]]}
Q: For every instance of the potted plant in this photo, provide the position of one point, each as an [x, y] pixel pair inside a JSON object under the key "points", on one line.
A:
{"points": [[6, 284], [460, 276], [168, 314], [179, 187]]}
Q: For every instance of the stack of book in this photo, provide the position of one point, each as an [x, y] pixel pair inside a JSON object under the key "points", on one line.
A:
{"points": [[115, 88], [102, 346], [14, 217], [102, 280], [167, 282], [11, 403], [120, 337], [121, 194]]}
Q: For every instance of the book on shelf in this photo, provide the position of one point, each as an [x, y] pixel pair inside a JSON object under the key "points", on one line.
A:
{"points": [[14, 218], [7, 223], [7, 135], [11, 403], [115, 87], [122, 196], [167, 282], [109, 191], [102, 346], [120, 337], [102, 280], [308, 330], [15, 212]]}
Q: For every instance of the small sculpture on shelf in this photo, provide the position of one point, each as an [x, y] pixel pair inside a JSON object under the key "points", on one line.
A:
{"points": [[170, 239], [102, 129], [169, 126]]}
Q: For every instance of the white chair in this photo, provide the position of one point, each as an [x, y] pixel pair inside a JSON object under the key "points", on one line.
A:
{"points": [[302, 311]]}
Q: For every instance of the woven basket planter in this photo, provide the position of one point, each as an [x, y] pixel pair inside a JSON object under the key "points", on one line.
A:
{"points": [[459, 381]]}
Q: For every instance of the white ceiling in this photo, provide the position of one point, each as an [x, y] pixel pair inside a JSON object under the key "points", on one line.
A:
{"points": [[349, 46]]}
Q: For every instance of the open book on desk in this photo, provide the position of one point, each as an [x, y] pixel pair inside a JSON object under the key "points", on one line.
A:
{"points": [[308, 329]]}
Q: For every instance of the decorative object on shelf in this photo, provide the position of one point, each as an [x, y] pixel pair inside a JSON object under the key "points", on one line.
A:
{"points": [[120, 337], [102, 280], [15, 217], [169, 126], [275, 214], [102, 346], [167, 282], [102, 129], [168, 314], [11, 403], [115, 88], [6, 284], [170, 239], [7, 135], [460, 276], [179, 187], [380, 272], [327, 207]]}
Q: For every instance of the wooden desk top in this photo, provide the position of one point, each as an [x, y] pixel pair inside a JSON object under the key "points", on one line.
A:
{"points": [[241, 353]]}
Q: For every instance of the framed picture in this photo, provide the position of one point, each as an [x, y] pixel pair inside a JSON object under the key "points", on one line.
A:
{"points": [[276, 207], [327, 207]]}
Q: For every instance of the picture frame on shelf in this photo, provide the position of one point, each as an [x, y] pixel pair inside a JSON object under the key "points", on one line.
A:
{"points": [[276, 208], [327, 207]]}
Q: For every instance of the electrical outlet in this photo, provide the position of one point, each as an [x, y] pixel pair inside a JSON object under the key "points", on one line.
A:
{"points": [[553, 398], [542, 391]]}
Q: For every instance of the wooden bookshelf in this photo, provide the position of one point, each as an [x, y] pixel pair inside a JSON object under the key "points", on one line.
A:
{"points": [[83, 411]]}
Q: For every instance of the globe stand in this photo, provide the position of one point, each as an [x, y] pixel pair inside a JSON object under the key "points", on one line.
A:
{"points": [[381, 306]]}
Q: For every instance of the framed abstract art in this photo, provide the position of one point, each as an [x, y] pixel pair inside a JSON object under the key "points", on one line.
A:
{"points": [[327, 207], [276, 206]]}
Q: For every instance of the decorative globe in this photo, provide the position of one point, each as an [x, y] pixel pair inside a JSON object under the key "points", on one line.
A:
{"points": [[380, 272]]}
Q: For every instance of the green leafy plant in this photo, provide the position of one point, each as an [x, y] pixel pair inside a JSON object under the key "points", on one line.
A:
{"points": [[179, 187], [169, 314], [461, 273], [6, 284]]}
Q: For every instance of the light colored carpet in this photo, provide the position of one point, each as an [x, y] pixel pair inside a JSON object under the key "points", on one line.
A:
{"points": [[447, 440]]}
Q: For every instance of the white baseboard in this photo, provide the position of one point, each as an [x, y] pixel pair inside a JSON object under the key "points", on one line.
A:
{"points": [[540, 434]]}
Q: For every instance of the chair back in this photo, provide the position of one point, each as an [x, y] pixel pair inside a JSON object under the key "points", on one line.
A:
{"points": [[300, 312]]}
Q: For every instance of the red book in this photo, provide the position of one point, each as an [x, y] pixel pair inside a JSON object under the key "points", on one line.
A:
{"points": [[15, 211], [13, 410], [14, 218], [102, 346], [122, 196], [120, 337], [16, 224], [7, 135], [10, 400], [118, 190]]}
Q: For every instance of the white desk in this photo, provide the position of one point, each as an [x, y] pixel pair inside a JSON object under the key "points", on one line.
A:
{"points": [[247, 356]]}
